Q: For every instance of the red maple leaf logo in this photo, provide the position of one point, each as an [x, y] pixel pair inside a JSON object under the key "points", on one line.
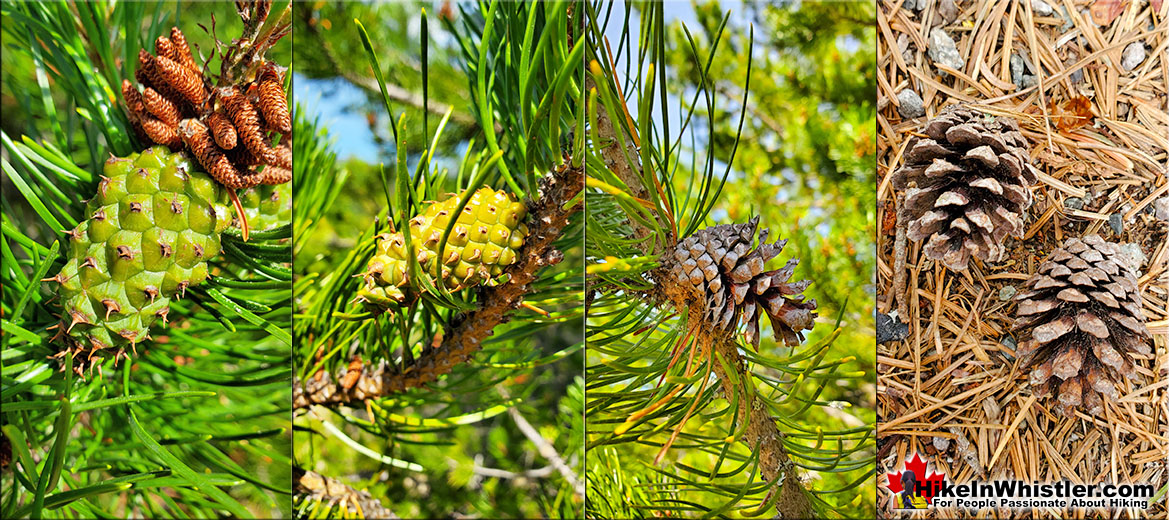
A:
{"points": [[918, 467]]}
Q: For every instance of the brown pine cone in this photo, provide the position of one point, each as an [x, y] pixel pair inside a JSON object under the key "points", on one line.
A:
{"points": [[722, 269], [967, 184], [178, 107], [1083, 320]]}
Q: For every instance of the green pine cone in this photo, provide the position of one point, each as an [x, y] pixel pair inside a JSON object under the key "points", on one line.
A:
{"points": [[152, 226], [485, 239]]}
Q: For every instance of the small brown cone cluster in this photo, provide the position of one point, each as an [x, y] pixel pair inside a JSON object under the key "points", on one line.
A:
{"points": [[228, 129], [720, 266], [1081, 315], [967, 185]]}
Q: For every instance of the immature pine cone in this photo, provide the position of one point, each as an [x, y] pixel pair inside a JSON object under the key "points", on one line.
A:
{"points": [[1083, 314], [484, 240], [150, 230], [723, 269], [967, 186], [228, 129]]}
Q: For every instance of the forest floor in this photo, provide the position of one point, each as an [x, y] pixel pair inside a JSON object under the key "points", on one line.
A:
{"points": [[953, 389]]}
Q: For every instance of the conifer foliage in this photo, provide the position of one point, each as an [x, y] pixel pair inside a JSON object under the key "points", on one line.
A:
{"points": [[146, 350]]}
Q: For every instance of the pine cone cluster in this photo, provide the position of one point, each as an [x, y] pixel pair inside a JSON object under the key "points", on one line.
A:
{"points": [[721, 267], [1082, 313], [229, 129], [967, 186]]}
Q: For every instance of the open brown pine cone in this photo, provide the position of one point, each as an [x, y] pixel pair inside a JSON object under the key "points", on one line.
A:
{"points": [[229, 129], [967, 184], [1082, 320], [722, 268]]}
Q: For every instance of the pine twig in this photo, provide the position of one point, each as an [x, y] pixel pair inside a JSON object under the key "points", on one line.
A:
{"points": [[465, 334], [546, 450], [762, 433], [314, 486]]}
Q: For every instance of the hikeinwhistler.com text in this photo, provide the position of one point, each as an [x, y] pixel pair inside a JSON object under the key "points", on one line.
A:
{"points": [[1017, 494]]}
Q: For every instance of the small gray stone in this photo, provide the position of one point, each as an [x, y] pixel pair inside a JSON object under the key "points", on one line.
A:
{"points": [[1134, 252], [1073, 203], [1007, 292], [948, 10], [1041, 8], [1008, 342], [1017, 70], [1077, 76], [1133, 55], [941, 444], [909, 104], [1116, 220], [943, 50], [890, 328], [1029, 81], [1161, 209]]}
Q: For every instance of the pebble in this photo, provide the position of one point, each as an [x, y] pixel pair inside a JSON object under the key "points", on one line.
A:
{"points": [[1073, 203], [910, 104], [948, 10], [1134, 252], [943, 50], [1041, 8], [890, 328], [1009, 342], [1161, 209], [941, 444], [1116, 220], [1018, 69], [1007, 292], [1133, 55]]}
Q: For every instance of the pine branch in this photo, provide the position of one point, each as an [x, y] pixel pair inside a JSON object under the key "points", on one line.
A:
{"points": [[465, 334], [546, 450], [614, 157], [762, 434], [316, 487]]}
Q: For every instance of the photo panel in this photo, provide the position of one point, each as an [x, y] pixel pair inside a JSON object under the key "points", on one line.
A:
{"points": [[1022, 259], [147, 283], [439, 260], [729, 201]]}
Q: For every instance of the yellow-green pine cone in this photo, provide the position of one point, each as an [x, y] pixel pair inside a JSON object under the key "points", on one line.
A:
{"points": [[149, 232], [485, 239], [265, 206]]}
